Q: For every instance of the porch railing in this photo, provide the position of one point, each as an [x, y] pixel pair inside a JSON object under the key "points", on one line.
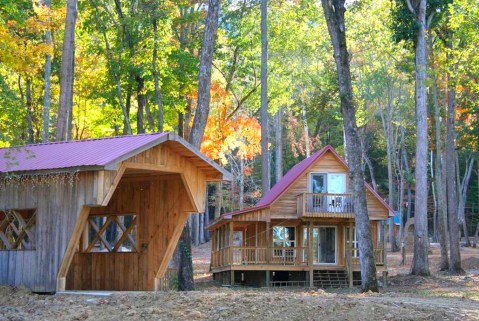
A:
{"points": [[250, 255], [324, 204], [378, 257], [238, 255]]}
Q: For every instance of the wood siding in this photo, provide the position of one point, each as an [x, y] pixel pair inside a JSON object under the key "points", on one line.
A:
{"points": [[58, 206], [160, 203]]}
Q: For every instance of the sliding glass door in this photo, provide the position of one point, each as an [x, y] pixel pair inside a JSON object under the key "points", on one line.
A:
{"points": [[324, 244]]}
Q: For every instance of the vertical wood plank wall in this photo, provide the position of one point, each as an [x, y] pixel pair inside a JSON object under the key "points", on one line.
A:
{"points": [[159, 203], [58, 206]]}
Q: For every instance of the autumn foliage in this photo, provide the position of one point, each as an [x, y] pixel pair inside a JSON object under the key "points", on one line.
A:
{"points": [[229, 134]]}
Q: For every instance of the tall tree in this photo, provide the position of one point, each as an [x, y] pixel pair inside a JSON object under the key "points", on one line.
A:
{"points": [[67, 74], [204, 81], [334, 14], [47, 77], [199, 125], [265, 173], [451, 183], [421, 242]]}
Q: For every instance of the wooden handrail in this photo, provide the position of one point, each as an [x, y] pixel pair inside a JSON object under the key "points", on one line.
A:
{"points": [[324, 203]]}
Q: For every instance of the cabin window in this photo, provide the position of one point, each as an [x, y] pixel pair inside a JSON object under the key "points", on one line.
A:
{"points": [[17, 229], [332, 183], [112, 233], [283, 237], [355, 242]]}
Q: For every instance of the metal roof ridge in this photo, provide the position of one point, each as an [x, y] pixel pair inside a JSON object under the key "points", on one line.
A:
{"points": [[85, 140]]}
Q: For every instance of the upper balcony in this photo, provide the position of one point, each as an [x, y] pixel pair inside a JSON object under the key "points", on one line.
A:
{"points": [[325, 205]]}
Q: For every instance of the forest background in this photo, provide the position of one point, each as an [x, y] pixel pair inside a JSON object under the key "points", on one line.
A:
{"points": [[136, 71]]}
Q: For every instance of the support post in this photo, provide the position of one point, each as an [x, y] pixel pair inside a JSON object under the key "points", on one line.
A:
{"points": [[350, 254], [268, 278], [310, 254], [231, 244], [385, 259], [232, 277], [268, 245]]}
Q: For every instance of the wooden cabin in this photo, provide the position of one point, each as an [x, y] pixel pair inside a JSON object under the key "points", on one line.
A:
{"points": [[301, 233], [99, 214]]}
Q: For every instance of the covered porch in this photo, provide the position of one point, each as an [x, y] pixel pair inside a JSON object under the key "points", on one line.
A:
{"points": [[282, 245]]}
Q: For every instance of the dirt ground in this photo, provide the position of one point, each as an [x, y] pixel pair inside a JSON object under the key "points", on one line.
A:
{"points": [[439, 297]]}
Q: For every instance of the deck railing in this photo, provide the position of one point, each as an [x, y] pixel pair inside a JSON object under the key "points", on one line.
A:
{"points": [[324, 204], [378, 257], [250, 255]]}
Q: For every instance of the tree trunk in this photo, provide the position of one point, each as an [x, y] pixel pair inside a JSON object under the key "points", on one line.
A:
{"points": [[47, 86], [441, 197], [185, 270], [387, 123], [67, 73], [304, 118], [207, 216], [140, 96], [278, 135], [420, 264], [401, 189], [158, 95], [29, 101], [334, 14], [454, 234], [202, 110], [149, 116], [476, 235], [463, 187], [241, 184], [265, 173], [204, 81], [408, 175]]}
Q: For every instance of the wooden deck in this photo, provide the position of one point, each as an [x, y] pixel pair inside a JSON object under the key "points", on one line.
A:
{"points": [[325, 205]]}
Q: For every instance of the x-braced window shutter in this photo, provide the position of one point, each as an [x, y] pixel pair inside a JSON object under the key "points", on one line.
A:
{"points": [[112, 233], [17, 229]]}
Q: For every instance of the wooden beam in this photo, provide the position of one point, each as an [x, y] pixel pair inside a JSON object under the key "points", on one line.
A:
{"points": [[72, 245], [119, 173], [180, 224]]}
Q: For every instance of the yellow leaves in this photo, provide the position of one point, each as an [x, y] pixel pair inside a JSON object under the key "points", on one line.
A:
{"points": [[22, 45]]}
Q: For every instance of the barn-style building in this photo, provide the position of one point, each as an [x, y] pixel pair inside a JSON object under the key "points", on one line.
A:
{"points": [[98, 214]]}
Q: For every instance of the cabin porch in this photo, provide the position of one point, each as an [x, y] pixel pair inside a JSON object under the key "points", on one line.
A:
{"points": [[277, 252]]}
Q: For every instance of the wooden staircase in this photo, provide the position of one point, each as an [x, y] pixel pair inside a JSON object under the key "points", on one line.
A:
{"points": [[332, 279]]}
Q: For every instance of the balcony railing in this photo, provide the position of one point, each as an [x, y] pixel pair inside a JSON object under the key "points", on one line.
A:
{"points": [[325, 205]]}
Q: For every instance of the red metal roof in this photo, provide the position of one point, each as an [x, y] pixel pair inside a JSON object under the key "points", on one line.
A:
{"points": [[84, 153], [290, 178]]}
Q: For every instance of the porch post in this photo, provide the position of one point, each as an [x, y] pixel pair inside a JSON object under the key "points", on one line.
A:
{"points": [[268, 245], [310, 254], [231, 243], [385, 258], [268, 249], [350, 254]]}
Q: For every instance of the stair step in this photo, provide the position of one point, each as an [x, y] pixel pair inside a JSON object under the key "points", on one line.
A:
{"points": [[330, 278]]}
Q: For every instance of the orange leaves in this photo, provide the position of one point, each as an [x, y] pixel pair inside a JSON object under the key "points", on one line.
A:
{"points": [[238, 136]]}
